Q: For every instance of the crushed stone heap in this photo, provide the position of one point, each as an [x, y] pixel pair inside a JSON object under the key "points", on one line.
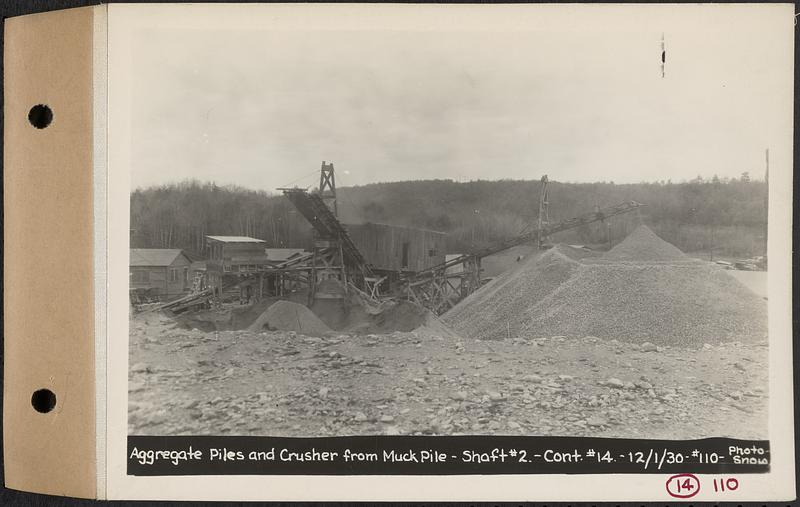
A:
{"points": [[289, 316], [501, 308], [643, 245], [644, 289]]}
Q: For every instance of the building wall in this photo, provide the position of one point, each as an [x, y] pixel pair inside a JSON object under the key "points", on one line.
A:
{"points": [[221, 250], [149, 277], [166, 282], [178, 277], [230, 257], [383, 246]]}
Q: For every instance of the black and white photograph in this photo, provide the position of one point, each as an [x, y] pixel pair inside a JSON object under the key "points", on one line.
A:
{"points": [[533, 231]]}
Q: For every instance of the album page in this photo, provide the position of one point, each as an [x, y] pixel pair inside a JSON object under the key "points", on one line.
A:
{"points": [[449, 252]]}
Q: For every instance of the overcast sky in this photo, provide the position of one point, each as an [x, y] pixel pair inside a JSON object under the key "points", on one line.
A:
{"points": [[263, 108]]}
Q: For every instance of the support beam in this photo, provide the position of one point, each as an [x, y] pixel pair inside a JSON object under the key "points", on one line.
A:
{"points": [[327, 187]]}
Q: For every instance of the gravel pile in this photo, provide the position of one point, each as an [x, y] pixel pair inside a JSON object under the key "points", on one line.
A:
{"points": [[502, 308], [685, 305], [289, 316], [643, 290], [643, 245]]}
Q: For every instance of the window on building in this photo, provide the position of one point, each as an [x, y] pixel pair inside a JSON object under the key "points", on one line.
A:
{"points": [[432, 252], [173, 275]]}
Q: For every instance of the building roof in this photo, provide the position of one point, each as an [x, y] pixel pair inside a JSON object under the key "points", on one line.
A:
{"points": [[154, 256], [236, 239], [283, 254]]}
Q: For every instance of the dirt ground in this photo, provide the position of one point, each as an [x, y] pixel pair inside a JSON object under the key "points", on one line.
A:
{"points": [[192, 382]]}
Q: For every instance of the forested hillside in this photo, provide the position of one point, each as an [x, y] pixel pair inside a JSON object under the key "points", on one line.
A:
{"points": [[727, 216]]}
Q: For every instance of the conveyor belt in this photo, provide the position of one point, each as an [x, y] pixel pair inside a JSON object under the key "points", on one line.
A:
{"points": [[571, 223], [327, 225]]}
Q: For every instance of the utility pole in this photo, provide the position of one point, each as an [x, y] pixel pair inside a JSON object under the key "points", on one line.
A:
{"points": [[544, 212], [475, 214]]}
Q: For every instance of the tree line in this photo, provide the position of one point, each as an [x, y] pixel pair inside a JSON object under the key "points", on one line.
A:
{"points": [[723, 217]]}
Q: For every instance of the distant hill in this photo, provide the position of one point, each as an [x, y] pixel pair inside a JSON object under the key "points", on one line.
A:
{"points": [[726, 215]]}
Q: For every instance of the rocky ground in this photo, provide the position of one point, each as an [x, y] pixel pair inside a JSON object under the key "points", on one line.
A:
{"points": [[189, 382]]}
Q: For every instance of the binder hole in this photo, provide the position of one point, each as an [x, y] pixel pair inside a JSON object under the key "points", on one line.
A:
{"points": [[40, 116], [43, 400]]}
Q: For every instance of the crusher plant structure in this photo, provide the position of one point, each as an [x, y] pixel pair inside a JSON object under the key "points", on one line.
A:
{"points": [[435, 286]]}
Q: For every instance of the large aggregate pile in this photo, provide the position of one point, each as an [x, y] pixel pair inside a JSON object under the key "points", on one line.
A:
{"points": [[502, 308], [643, 290]]}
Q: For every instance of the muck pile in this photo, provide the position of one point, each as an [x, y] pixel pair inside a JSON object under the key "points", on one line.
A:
{"points": [[643, 290], [350, 316]]}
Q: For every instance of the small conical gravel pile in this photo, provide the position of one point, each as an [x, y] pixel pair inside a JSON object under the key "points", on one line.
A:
{"points": [[643, 245], [289, 316], [644, 289]]}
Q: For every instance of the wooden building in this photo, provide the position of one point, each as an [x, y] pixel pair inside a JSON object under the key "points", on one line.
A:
{"points": [[236, 261], [161, 273], [235, 254], [398, 248]]}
